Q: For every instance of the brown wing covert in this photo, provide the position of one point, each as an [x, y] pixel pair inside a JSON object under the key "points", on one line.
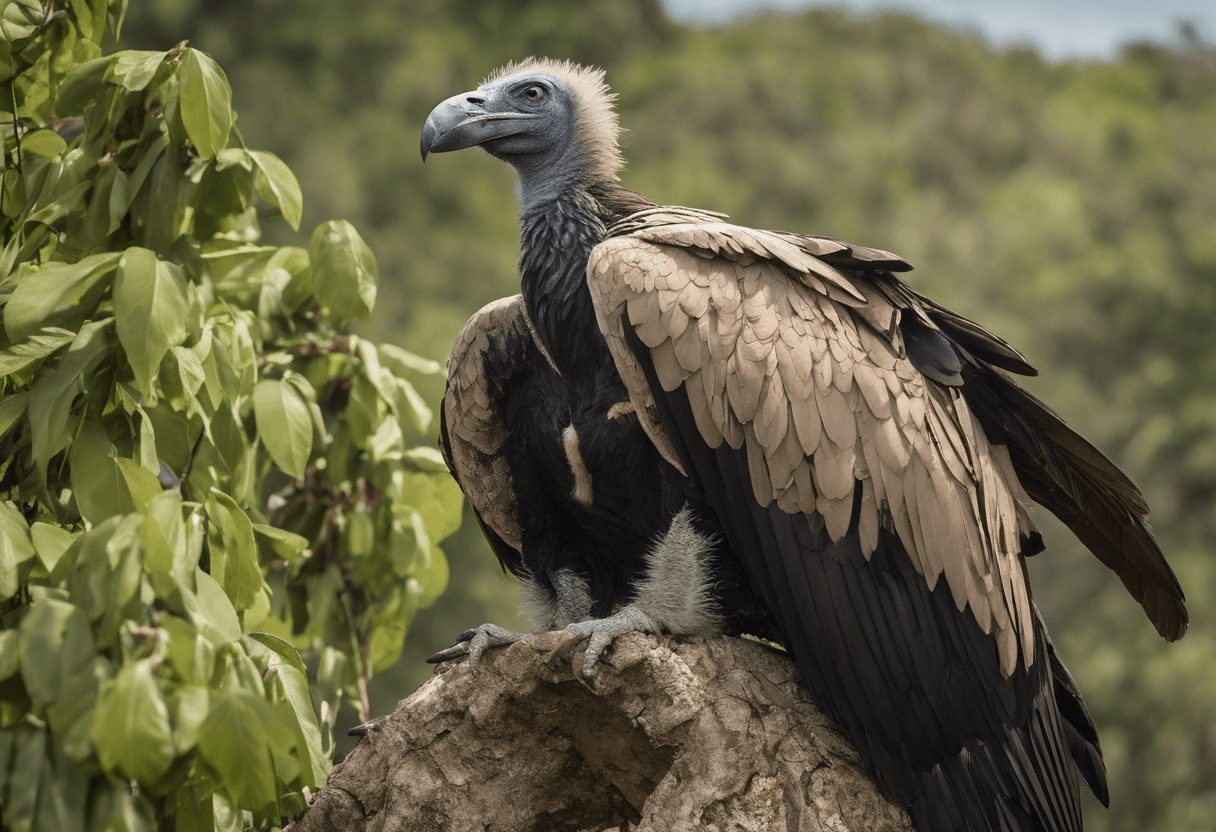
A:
{"points": [[786, 356], [473, 435]]}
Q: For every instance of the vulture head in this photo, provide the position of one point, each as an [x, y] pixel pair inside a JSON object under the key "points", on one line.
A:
{"points": [[551, 120]]}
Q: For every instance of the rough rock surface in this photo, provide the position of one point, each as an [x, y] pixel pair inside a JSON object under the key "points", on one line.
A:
{"points": [[714, 735]]}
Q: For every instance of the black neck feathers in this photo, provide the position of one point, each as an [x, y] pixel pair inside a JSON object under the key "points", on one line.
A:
{"points": [[557, 238]]}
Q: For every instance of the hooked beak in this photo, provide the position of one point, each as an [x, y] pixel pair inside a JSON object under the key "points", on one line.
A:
{"points": [[462, 121]]}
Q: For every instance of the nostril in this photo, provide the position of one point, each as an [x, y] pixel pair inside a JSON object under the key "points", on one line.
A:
{"points": [[479, 100]]}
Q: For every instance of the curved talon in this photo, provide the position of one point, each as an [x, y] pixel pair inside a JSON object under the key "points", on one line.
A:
{"points": [[473, 643], [453, 652], [599, 633], [600, 641], [569, 640]]}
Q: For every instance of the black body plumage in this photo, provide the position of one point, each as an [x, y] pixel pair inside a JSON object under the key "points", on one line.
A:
{"points": [[635, 492]]}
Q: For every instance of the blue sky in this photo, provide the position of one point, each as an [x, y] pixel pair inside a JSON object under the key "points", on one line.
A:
{"points": [[1059, 28]]}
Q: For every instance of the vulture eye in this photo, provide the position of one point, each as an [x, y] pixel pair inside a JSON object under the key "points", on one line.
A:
{"points": [[533, 93]]}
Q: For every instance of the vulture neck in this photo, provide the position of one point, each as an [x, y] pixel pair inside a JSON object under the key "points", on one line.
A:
{"points": [[560, 226]]}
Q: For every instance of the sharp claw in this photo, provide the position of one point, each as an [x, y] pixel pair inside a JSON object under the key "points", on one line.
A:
{"points": [[359, 730], [476, 647], [599, 643], [599, 635], [453, 652], [473, 643], [568, 642]]}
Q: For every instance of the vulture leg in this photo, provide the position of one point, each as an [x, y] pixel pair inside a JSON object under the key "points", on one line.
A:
{"points": [[674, 596]]}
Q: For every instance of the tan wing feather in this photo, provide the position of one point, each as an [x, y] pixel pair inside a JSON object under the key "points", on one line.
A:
{"points": [[476, 434], [822, 396]]}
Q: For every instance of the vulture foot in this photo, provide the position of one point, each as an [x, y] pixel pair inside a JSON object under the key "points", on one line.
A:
{"points": [[599, 633], [473, 643]]}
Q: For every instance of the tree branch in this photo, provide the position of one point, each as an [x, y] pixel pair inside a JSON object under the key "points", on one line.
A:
{"points": [[680, 736]]}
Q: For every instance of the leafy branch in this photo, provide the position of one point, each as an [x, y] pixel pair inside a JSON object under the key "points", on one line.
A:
{"points": [[186, 520]]}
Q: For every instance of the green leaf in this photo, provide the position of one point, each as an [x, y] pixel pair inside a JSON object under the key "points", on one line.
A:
{"points": [[61, 795], [238, 740], [50, 542], [52, 394], [360, 533], [283, 543], [426, 458], [8, 568], [256, 613], [89, 569], [103, 483], [46, 143], [283, 660], [304, 387], [14, 528], [56, 641], [133, 70], [147, 158], [57, 295], [20, 18], [413, 411], [141, 483], [22, 798], [71, 714], [344, 270], [12, 408], [163, 533], [15, 548], [402, 362], [433, 578], [188, 652], [194, 811], [408, 539], [206, 103], [211, 611], [10, 661], [277, 185], [284, 425], [150, 308], [392, 623], [190, 370], [234, 560], [131, 725], [164, 215], [189, 705], [437, 498], [35, 348], [81, 86]]}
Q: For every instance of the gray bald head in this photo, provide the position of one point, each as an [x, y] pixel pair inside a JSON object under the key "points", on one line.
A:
{"points": [[552, 121]]}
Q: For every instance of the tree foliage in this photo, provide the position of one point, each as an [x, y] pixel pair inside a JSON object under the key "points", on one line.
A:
{"points": [[202, 470]]}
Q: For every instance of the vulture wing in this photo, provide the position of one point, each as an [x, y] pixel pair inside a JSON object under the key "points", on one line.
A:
{"points": [[472, 435], [804, 370], [1061, 471], [829, 417]]}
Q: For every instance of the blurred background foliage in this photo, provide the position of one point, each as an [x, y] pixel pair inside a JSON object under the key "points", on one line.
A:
{"points": [[1070, 206]]}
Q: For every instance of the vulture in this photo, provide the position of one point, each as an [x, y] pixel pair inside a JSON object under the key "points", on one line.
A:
{"points": [[687, 426]]}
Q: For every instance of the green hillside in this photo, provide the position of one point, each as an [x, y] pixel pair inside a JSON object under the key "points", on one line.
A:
{"points": [[1071, 207]]}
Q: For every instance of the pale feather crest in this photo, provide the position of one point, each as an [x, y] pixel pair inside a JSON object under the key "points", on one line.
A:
{"points": [[598, 129]]}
